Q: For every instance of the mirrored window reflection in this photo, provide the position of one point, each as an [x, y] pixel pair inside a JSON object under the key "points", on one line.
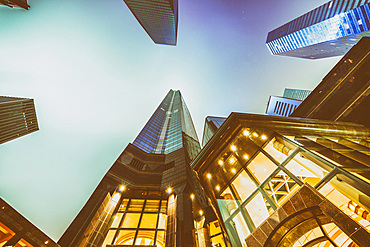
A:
{"points": [[351, 201], [244, 185], [227, 204], [306, 170], [279, 149], [257, 209], [261, 167], [280, 186], [241, 227]]}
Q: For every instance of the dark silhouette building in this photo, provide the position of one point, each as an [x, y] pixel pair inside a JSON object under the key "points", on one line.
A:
{"points": [[17, 118], [15, 3], [158, 18]]}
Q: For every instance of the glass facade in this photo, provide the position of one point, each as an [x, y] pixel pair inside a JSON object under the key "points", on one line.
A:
{"points": [[259, 169], [164, 131], [138, 222], [336, 26], [158, 18]]}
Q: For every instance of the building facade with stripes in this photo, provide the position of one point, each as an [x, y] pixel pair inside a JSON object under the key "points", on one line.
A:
{"points": [[158, 18], [17, 118], [329, 30]]}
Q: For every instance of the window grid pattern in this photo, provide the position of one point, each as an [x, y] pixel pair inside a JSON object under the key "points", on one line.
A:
{"points": [[251, 184], [348, 26], [138, 222]]}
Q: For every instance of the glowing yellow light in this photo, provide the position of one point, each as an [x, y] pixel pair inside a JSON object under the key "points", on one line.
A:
{"points": [[201, 212], [192, 196], [209, 175], [121, 188], [169, 190], [46, 242], [233, 148], [220, 162], [263, 137], [246, 133], [3, 208], [217, 187], [255, 134], [246, 156], [233, 170], [232, 160]]}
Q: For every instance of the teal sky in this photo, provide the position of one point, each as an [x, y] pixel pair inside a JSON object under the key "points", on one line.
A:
{"points": [[97, 77]]}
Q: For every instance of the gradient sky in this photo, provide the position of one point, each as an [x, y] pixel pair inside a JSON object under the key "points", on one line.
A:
{"points": [[97, 77]]}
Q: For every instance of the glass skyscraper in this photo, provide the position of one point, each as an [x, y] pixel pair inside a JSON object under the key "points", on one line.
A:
{"points": [[150, 196], [329, 30], [158, 18]]}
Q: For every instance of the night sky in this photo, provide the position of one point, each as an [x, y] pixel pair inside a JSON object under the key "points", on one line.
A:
{"points": [[97, 77]]}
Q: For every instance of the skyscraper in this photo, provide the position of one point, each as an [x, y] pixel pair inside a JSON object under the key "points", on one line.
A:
{"points": [[150, 196], [17, 118], [15, 3], [343, 94], [158, 18], [277, 181], [329, 30]]}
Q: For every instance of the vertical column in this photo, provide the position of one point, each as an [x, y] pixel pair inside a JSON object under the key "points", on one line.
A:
{"points": [[185, 222], [171, 222]]}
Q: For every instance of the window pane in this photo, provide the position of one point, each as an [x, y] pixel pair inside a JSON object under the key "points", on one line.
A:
{"points": [[227, 204], [136, 205], [117, 220], [161, 239], [164, 207], [162, 221], [145, 238], [149, 221], [241, 227], [257, 209], [279, 149], [131, 220], [244, 185], [261, 167], [123, 204], [109, 237], [125, 237], [151, 206], [280, 186]]}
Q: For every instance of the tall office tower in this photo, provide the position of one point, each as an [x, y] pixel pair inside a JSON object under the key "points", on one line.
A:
{"points": [[298, 94], [17, 231], [15, 3], [329, 30], [277, 181], [211, 125], [158, 18], [17, 118], [343, 94], [149, 194]]}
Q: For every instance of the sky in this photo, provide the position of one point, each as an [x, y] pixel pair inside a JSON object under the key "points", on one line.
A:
{"points": [[96, 78]]}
